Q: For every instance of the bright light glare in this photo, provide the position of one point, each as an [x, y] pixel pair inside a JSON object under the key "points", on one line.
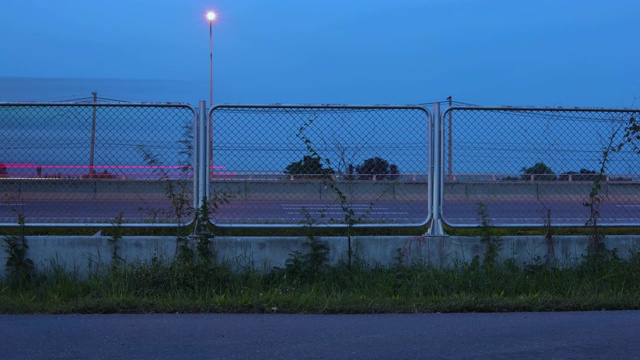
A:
{"points": [[211, 15]]}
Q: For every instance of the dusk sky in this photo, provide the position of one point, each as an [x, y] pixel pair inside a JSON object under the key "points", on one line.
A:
{"points": [[488, 52]]}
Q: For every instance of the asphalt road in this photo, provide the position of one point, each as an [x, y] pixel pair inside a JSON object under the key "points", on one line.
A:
{"points": [[273, 212], [564, 335]]}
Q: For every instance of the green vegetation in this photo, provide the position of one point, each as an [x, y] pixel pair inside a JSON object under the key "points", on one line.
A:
{"points": [[309, 167], [19, 268], [378, 169], [313, 166], [194, 282], [540, 171], [311, 286]]}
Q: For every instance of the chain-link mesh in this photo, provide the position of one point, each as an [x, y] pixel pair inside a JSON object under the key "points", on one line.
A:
{"points": [[529, 165], [89, 163], [320, 164]]}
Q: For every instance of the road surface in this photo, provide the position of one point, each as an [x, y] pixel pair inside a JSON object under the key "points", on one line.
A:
{"points": [[556, 335], [292, 212]]}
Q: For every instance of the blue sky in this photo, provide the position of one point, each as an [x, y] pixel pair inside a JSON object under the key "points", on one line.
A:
{"points": [[489, 52]]}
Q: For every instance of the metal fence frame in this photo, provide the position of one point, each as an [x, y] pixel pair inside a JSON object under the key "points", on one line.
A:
{"points": [[436, 228], [202, 130], [430, 137], [195, 124]]}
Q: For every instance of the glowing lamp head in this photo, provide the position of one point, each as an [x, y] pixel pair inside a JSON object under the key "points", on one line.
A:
{"points": [[211, 15]]}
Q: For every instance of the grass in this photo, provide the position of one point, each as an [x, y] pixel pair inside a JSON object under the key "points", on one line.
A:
{"points": [[162, 286]]}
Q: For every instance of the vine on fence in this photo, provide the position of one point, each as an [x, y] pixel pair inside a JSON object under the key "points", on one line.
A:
{"points": [[350, 217]]}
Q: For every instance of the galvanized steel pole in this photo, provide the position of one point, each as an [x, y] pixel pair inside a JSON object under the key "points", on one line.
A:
{"points": [[437, 174], [210, 62], [210, 16], [93, 135], [450, 139], [202, 152]]}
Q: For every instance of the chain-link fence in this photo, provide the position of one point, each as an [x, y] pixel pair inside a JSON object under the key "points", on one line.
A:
{"points": [[531, 165], [84, 164], [343, 165], [96, 163]]}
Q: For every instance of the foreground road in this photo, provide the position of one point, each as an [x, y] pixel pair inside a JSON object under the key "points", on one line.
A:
{"points": [[570, 335]]}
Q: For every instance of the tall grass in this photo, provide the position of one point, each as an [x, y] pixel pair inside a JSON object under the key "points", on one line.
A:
{"points": [[166, 286]]}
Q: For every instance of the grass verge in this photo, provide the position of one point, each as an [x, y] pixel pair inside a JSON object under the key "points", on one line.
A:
{"points": [[163, 286]]}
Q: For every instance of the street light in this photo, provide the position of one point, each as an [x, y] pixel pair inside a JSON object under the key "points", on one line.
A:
{"points": [[211, 16]]}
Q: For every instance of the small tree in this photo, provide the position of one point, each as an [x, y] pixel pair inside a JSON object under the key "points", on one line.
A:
{"points": [[540, 171], [378, 168], [350, 172], [394, 172], [309, 166]]}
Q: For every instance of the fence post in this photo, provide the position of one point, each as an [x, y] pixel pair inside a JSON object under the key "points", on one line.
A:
{"points": [[202, 151], [436, 178], [195, 161]]}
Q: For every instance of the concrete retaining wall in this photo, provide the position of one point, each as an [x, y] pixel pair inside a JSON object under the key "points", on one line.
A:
{"points": [[417, 191], [314, 190], [88, 189], [85, 253]]}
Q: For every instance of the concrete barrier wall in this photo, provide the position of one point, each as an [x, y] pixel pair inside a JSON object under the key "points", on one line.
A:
{"points": [[314, 190], [90, 189], [310, 190], [86, 253], [538, 191]]}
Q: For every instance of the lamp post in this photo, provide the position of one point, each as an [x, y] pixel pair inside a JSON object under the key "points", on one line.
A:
{"points": [[211, 16]]}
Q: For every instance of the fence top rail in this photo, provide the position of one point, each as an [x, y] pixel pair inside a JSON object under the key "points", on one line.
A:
{"points": [[321, 106], [100, 104], [534, 108]]}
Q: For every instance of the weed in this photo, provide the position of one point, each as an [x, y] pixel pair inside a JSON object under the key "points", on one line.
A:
{"points": [[399, 259], [493, 243], [596, 250], [180, 204], [349, 216], [548, 237], [19, 268], [116, 260], [203, 234], [313, 263], [184, 251], [165, 286]]}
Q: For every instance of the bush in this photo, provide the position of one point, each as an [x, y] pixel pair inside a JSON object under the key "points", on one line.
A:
{"points": [[378, 169], [540, 171]]}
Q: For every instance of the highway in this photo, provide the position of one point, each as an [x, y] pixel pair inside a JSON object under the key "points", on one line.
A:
{"points": [[239, 211], [288, 202]]}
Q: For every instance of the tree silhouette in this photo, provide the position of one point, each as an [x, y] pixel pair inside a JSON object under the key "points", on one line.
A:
{"points": [[377, 168], [540, 171], [309, 167]]}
